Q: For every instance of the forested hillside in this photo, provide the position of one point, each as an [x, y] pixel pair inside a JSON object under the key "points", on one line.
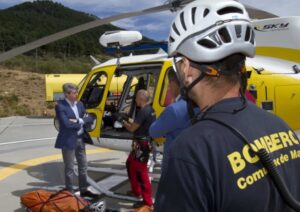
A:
{"points": [[32, 20]]}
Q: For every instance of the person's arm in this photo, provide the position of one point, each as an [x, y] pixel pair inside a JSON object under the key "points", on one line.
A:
{"points": [[130, 126], [85, 117], [64, 120], [165, 123]]}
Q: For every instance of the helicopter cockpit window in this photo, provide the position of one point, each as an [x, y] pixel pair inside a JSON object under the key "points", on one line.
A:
{"points": [[93, 93]]}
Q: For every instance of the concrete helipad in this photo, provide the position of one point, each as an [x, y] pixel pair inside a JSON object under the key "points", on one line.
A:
{"points": [[28, 161]]}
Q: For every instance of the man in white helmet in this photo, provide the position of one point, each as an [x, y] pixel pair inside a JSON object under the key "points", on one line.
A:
{"points": [[217, 164]]}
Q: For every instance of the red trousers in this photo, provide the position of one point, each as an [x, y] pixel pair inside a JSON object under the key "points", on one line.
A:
{"points": [[139, 179]]}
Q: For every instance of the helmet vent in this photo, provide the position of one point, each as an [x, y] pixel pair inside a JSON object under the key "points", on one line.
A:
{"points": [[248, 33], [207, 43], [205, 13], [238, 30], [182, 21], [215, 37], [224, 35], [175, 29], [193, 14], [228, 10], [171, 39], [252, 37]]}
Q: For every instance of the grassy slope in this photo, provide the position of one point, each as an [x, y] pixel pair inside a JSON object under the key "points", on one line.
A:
{"points": [[23, 93]]}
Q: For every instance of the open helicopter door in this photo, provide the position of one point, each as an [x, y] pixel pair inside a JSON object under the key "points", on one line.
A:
{"points": [[93, 95]]}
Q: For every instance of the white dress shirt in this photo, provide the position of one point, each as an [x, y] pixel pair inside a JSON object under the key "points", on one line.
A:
{"points": [[75, 110]]}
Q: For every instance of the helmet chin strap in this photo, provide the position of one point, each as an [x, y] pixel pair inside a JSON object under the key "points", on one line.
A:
{"points": [[184, 92], [212, 70], [186, 89]]}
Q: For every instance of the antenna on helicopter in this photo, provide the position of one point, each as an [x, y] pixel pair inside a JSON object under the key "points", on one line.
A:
{"points": [[97, 62], [118, 39]]}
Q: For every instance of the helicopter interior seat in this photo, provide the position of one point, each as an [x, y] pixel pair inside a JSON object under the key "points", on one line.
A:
{"points": [[95, 96]]}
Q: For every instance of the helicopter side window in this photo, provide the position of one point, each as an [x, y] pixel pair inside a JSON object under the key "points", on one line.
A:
{"points": [[93, 92], [95, 97]]}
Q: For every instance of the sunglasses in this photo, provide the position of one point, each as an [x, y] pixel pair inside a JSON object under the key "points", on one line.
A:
{"points": [[176, 60]]}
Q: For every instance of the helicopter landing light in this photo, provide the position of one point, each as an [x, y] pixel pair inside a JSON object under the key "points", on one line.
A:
{"points": [[119, 38]]}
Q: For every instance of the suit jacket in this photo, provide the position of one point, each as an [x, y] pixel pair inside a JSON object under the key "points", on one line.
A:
{"points": [[67, 135]]}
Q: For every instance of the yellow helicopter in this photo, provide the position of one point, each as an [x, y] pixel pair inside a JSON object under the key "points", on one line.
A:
{"points": [[274, 79]]}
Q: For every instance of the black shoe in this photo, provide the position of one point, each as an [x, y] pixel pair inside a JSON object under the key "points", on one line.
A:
{"points": [[88, 194]]}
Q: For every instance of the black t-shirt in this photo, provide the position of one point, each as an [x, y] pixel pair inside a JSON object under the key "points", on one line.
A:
{"points": [[144, 118], [209, 168]]}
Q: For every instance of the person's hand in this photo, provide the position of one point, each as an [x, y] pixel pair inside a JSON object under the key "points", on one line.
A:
{"points": [[130, 120], [73, 120]]}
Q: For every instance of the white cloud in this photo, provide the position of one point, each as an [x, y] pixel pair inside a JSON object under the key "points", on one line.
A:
{"points": [[111, 6], [154, 26]]}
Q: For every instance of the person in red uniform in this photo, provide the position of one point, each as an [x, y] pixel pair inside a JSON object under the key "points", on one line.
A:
{"points": [[138, 157]]}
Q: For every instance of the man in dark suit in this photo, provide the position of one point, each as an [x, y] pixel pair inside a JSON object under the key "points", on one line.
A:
{"points": [[72, 136]]}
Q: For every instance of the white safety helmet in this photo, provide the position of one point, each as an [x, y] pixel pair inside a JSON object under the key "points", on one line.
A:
{"points": [[210, 30]]}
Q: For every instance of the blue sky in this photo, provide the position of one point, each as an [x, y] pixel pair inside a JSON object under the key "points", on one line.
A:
{"points": [[156, 26]]}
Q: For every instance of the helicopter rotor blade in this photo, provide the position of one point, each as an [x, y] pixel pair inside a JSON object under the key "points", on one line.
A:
{"points": [[83, 27]]}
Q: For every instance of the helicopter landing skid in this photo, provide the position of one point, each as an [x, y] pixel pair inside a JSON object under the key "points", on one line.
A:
{"points": [[122, 176]]}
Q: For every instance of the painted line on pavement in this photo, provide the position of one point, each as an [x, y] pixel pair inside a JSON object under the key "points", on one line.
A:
{"points": [[24, 125], [24, 141], [13, 169]]}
